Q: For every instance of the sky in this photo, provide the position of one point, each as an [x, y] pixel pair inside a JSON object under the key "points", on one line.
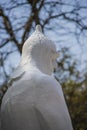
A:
{"points": [[60, 36]]}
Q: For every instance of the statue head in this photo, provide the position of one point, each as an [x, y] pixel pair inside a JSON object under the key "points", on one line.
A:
{"points": [[39, 52]]}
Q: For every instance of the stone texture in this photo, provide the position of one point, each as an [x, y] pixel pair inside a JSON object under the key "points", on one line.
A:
{"points": [[34, 100]]}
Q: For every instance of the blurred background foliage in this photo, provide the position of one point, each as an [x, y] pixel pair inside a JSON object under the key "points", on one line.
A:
{"points": [[65, 22]]}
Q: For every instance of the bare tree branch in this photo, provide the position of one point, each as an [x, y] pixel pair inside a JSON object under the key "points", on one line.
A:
{"points": [[9, 29], [18, 18]]}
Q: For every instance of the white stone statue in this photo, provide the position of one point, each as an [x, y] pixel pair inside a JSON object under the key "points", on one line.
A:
{"points": [[34, 100]]}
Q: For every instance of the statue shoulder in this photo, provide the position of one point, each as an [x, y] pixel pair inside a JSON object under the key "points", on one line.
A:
{"points": [[47, 81], [16, 75], [51, 83]]}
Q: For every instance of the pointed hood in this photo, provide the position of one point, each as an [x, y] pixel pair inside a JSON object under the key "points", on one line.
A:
{"points": [[38, 52], [37, 45]]}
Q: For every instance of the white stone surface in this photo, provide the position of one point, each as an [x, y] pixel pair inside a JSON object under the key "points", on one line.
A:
{"points": [[35, 99]]}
